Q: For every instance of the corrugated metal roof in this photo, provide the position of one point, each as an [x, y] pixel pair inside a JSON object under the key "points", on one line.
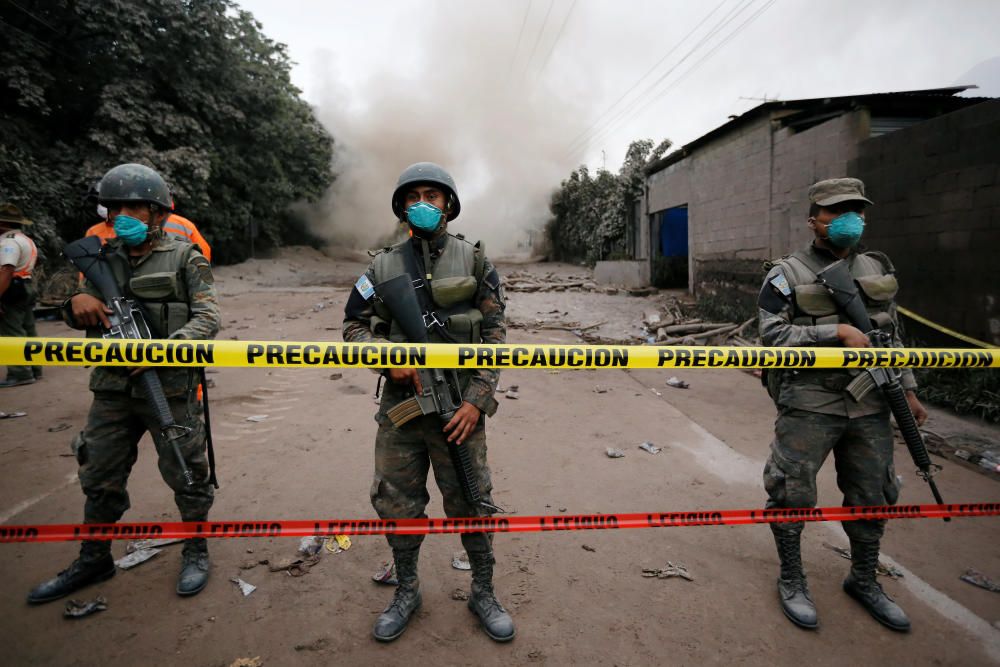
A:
{"points": [[807, 112]]}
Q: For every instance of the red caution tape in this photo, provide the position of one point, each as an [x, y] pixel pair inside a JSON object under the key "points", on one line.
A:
{"points": [[496, 524]]}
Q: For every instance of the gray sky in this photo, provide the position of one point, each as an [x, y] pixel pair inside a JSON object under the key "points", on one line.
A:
{"points": [[448, 79]]}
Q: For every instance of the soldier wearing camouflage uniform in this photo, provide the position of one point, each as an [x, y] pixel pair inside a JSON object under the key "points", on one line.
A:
{"points": [[469, 300], [18, 255], [173, 282], [819, 410]]}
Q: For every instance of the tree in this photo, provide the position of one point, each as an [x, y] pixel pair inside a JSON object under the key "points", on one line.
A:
{"points": [[591, 215], [192, 88]]}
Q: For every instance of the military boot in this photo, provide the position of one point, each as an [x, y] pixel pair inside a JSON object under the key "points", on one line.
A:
{"points": [[95, 564], [405, 601], [194, 567], [862, 586], [496, 622], [796, 602]]}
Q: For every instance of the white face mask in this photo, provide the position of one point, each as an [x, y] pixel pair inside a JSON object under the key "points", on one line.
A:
{"points": [[102, 211]]}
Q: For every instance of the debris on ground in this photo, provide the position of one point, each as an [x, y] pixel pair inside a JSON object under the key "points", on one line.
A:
{"points": [[651, 448], [386, 574], [678, 383], [80, 608], [459, 594], [136, 558], [139, 545], [882, 569], [310, 546], [613, 453], [338, 543], [256, 418], [336, 376], [523, 281], [512, 392], [460, 561], [977, 578], [249, 565], [671, 570], [245, 587], [315, 645], [12, 415], [587, 547], [296, 566], [601, 390], [247, 662], [58, 427]]}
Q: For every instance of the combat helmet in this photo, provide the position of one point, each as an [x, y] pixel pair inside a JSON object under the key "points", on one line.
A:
{"points": [[429, 173], [136, 183]]}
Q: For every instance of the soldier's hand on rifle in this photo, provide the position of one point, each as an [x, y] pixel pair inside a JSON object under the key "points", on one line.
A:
{"points": [[851, 336], [916, 407], [463, 422], [406, 376], [90, 311]]}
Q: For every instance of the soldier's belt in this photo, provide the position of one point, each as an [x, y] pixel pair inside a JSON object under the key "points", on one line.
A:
{"points": [[491, 524], [100, 352]]}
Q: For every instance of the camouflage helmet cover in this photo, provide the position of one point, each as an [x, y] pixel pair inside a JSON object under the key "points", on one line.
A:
{"points": [[136, 183], [426, 173]]}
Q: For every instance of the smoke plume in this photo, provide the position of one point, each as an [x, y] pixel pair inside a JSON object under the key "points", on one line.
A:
{"points": [[467, 101]]}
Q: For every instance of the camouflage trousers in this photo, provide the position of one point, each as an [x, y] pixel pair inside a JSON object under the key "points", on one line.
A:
{"points": [[402, 458], [862, 452], [18, 320], [107, 449]]}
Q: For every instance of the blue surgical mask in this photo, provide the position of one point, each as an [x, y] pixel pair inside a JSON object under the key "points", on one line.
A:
{"points": [[131, 231], [423, 216], [845, 230]]}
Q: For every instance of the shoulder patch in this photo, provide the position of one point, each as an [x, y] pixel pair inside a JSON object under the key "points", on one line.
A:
{"points": [[365, 287], [780, 283], [204, 269]]}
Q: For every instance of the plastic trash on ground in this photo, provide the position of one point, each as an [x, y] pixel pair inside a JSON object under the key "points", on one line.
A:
{"points": [[81, 608]]}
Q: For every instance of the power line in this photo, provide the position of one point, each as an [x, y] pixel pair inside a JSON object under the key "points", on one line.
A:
{"points": [[614, 121], [556, 41], [520, 34], [541, 30], [44, 23], [641, 78], [725, 40]]}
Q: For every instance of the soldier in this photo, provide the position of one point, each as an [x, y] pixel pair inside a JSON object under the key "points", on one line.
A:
{"points": [[816, 413], [17, 294], [173, 283], [465, 289]]}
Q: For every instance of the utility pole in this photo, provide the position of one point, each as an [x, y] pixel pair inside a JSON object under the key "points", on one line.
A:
{"points": [[604, 160]]}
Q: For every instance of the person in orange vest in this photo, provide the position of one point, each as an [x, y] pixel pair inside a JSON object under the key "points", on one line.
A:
{"points": [[174, 225], [18, 255]]}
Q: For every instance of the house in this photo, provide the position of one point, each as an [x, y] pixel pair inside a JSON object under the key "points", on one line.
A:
{"points": [[715, 209]]}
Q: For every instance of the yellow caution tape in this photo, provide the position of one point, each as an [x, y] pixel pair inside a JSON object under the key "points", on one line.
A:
{"points": [[951, 332], [266, 354]]}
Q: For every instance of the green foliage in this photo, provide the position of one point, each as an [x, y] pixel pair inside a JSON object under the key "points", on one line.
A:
{"points": [[192, 88], [591, 214]]}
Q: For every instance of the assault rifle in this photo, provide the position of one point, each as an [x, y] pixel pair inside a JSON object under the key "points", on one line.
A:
{"points": [[441, 393], [128, 322], [838, 281]]}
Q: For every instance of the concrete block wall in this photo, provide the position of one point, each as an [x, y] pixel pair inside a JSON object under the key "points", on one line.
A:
{"points": [[936, 186]]}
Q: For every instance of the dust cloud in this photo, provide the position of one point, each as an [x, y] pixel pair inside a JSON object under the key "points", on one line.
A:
{"points": [[499, 127]]}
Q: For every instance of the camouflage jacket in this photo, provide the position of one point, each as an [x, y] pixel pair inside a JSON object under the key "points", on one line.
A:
{"points": [[479, 385], [197, 288], [780, 324]]}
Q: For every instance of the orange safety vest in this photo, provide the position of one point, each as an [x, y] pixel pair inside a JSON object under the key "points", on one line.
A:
{"points": [[174, 225]]}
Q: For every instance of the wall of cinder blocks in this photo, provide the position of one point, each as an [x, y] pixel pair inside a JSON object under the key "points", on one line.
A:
{"points": [[936, 186]]}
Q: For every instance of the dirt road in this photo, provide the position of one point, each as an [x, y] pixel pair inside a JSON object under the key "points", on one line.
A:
{"points": [[576, 597]]}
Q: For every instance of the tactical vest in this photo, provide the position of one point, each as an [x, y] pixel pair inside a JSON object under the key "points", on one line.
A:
{"points": [[158, 282], [872, 271], [456, 275]]}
